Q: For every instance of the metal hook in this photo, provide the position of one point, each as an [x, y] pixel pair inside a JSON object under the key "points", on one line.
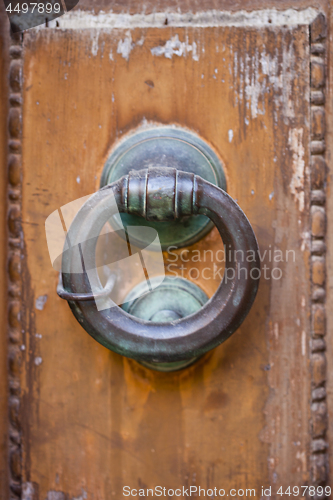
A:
{"points": [[81, 297]]}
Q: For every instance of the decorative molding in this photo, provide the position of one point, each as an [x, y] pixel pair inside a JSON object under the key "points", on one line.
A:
{"points": [[319, 413], [15, 240]]}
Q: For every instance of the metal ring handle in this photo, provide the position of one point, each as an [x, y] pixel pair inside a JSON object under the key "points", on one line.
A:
{"points": [[162, 194], [84, 297]]}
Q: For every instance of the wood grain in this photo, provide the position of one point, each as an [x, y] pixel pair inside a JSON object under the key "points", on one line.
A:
{"points": [[94, 421]]}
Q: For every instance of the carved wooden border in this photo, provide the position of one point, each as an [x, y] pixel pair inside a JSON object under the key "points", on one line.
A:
{"points": [[14, 255], [319, 414]]}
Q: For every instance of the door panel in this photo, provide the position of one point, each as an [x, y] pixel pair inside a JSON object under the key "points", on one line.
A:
{"points": [[94, 421]]}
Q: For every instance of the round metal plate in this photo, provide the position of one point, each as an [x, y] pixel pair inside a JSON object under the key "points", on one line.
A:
{"points": [[165, 147], [173, 299]]}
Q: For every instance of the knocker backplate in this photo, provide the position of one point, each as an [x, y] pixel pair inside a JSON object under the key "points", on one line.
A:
{"points": [[172, 147]]}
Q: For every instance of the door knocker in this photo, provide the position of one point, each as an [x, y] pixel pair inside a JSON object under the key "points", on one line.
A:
{"points": [[169, 180]]}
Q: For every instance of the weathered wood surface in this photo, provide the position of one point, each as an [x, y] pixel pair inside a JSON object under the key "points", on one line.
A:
{"points": [[147, 6], [3, 245], [329, 288], [93, 421]]}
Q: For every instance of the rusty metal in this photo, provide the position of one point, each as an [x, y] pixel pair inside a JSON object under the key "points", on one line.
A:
{"points": [[161, 194]]}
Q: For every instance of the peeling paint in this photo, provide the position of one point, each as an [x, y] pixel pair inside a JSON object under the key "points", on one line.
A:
{"points": [[230, 135], [29, 491], [276, 330], [94, 46], [125, 46], [306, 241], [175, 47], [303, 343], [83, 496], [55, 495], [255, 76], [40, 302], [295, 141], [302, 457], [80, 19], [38, 361]]}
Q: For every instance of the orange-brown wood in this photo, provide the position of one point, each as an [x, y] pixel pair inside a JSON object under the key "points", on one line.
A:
{"points": [[239, 418]]}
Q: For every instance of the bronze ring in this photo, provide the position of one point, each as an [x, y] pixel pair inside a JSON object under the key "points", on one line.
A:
{"points": [[162, 194]]}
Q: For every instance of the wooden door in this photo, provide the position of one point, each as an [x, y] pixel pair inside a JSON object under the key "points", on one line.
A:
{"points": [[85, 422]]}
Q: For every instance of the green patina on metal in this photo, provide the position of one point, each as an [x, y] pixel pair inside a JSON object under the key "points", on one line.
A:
{"points": [[173, 299], [156, 340], [170, 147]]}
